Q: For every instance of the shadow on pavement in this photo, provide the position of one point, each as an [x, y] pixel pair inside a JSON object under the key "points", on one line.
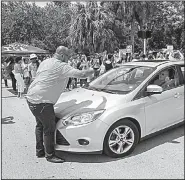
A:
{"points": [[166, 137], [7, 120], [143, 146], [8, 97], [12, 91]]}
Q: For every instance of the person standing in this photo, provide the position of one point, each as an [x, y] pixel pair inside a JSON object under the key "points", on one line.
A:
{"points": [[108, 63], [68, 87], [33, 66], [18, 73], [102, 69], [74, 65], [116, 57], [26, 75], [4, 73], [9, 69], [83, 66], [96, 66], [50, 81]]}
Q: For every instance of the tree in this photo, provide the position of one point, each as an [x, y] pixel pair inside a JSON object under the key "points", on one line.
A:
{"points": [[21, 21], [90, 28], [27, 23], [56, 23], [169, 25], [93, 26]]}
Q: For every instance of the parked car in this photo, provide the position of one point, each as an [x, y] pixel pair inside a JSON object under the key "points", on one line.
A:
{"points": [[121, 107]]}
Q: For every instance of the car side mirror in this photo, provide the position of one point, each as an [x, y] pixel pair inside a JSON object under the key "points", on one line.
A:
{"points": [[154, 89]]}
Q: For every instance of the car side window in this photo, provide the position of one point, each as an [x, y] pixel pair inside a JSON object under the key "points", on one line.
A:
{"points": [[167, 78]]}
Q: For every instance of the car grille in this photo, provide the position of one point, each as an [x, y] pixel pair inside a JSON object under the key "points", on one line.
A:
{"points": [[60, 140]]}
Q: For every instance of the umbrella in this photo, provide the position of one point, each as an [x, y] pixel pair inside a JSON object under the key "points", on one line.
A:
{"points": [[21, 49]]}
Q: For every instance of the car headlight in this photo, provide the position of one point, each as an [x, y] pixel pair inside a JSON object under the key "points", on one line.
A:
{"points": [[83, 118]]}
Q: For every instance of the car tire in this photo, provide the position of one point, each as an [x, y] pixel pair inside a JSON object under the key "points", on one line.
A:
{"points": [[133, 136]]}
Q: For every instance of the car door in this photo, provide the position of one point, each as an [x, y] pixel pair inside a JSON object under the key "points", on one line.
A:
{"points": [[165, 109], [180, 93]]}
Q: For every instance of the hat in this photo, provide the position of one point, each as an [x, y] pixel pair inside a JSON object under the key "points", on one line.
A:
{"points": [[33, 56]]}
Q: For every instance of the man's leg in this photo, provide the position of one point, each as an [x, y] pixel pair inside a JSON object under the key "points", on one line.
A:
{"points": [[13, 81], [69, 83], [35, 109], [49, 124], [45, 114], [6, 83], [27, 83], [81, 82], [39, 139], [11, 76], [75, 85]]}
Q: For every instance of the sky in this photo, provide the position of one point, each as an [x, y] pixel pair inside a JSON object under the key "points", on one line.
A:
{"points": [[41, 4]]}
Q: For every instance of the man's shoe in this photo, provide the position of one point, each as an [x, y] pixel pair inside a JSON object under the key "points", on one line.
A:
{"points": [[40, 155], [55, 159]]}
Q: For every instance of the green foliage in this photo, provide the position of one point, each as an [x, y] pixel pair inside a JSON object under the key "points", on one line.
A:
{"points": [[91, 29], [93, 26], [169, 25]]}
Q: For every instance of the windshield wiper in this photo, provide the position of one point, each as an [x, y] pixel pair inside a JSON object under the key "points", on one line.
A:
{"points": [[92, 88], [108, 91], [100, 89]]}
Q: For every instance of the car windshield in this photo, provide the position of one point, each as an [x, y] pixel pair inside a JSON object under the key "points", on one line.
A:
{"points": [[121, 80]]}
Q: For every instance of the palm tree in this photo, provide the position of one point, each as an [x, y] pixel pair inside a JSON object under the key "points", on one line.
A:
{"points": [[91, 28], [130, 14], [139, 13]]}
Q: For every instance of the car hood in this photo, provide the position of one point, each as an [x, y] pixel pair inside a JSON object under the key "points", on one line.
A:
{"points": [[84, 100]]}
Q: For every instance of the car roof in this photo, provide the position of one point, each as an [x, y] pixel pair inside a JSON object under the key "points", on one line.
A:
{"points": [[154, 63]]}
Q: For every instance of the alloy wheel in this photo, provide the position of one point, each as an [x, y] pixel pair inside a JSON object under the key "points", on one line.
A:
{"points": [[121, 139]]}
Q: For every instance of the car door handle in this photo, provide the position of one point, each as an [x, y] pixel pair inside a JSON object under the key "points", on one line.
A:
{"points": [[177, 95]]}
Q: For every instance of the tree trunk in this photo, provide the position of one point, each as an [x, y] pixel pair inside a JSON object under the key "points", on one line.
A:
{"points": [[132, 34]]}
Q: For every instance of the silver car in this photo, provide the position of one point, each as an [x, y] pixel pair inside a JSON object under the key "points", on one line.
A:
{"points": [[120, 108]]}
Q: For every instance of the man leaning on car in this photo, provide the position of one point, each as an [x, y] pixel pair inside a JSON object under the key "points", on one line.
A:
{"points": [[50, 81]]}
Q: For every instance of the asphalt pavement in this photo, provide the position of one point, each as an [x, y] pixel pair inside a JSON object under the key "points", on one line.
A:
{"points": [[160, 157]]}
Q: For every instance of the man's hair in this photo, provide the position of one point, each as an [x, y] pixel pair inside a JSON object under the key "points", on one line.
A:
{"points": [[24, 59], [17, 59], [62, 51], [109, 56], [10, 59]]}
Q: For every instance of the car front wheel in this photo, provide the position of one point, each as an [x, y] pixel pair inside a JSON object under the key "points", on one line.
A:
{"points": [[121, 139]]}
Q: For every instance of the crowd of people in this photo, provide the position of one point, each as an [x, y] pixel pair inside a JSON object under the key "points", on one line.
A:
{"points": [[22, 70], [103, 62]]}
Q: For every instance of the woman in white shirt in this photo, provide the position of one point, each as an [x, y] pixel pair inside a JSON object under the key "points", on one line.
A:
{"points": [[18, 73], [84, 66], [26, 75]]}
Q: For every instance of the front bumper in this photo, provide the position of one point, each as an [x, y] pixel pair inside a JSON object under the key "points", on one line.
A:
{"points": [[94, 132]]}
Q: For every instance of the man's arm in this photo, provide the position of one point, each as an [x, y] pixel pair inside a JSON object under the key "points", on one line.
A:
{"points": [[72, 72], [181, 55]]}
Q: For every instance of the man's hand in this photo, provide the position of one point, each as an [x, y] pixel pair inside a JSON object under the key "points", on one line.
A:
{"points": [[89, 72]]}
